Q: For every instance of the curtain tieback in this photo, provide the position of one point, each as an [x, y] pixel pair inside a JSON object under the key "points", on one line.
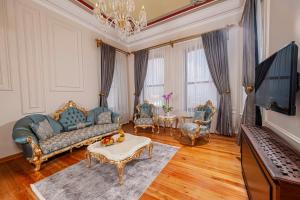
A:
{"points": [[102, 94], [248, 89], [226, 92]]}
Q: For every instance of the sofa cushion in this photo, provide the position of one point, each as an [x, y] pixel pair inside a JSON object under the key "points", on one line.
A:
{"points": [[190, 128], [144, 121], [79, 126], [66, 139], [104, 118], [70, 117], [42, 129]]}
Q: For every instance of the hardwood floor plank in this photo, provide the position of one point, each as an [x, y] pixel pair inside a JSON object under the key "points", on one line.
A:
{"points": [[209, 171]]}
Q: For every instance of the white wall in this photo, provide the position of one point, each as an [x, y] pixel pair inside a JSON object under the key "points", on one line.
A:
{"points": [[46, 60], [284, 27]]}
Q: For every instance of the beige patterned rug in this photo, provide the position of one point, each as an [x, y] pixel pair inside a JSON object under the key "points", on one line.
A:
{"points": [[101, 180]]}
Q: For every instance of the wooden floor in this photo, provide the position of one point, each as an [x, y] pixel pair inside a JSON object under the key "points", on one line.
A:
{"points": [[209, 171]]}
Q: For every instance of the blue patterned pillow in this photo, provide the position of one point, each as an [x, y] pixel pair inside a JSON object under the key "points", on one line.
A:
{"points": [[42, 129], [199, 115], [104, 118]]}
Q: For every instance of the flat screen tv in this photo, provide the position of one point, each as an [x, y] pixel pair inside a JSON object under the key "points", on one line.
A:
{"points": [[277, 81]]}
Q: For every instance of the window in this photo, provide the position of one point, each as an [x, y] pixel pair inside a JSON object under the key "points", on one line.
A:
{"points": [[154, 82], [199, 84]]}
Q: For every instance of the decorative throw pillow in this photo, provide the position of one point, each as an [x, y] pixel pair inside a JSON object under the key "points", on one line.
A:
{"points": [[199, 115], [104, 118], [42, 129]]}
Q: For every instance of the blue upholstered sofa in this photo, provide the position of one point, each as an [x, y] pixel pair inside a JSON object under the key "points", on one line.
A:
{"points": [[70, 127]]}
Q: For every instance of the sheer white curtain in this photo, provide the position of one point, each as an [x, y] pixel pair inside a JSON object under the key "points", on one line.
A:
{"points": [[118, 95], [154, 85], [192, 82]]}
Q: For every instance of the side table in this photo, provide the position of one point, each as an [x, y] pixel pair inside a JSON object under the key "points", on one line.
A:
{"points": [[167, 120]]}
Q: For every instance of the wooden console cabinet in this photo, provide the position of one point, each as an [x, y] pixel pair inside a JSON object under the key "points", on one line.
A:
{"points": [[271, 169]]}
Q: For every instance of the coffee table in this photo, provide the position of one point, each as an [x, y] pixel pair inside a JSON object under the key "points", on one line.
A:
{"points": [[120, 153]]}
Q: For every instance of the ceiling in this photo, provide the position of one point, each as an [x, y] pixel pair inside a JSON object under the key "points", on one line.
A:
{"points": [[158, 10]]}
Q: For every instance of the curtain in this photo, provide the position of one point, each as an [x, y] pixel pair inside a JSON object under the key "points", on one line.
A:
{"points": [[118, 95], [155, 77], [140, 70], [108, 54], [215, 47], [250, 61], [198, 82]]}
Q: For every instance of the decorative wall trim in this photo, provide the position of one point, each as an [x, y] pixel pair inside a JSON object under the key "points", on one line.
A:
{"points": [[5, 64], [29, 36], [65, 39], [75, 13]]}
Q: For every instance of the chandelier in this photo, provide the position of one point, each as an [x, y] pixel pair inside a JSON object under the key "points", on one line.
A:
{"points": [[118, 14]]}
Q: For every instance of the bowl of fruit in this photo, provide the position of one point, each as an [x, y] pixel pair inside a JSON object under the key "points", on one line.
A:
{"points": [[107, 141]]}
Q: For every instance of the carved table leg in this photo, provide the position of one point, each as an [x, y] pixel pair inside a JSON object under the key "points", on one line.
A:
{"points": [[88, 159], [135, 130], [150, 148], [120, 168]]}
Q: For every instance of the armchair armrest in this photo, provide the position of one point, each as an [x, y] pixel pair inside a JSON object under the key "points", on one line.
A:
{"points": [[136, 116], [115, 118], [21, 136], [204, 123]]}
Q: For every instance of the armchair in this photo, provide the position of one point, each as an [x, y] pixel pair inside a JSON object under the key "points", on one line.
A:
{"points": [[201, 122], [144, 117]]}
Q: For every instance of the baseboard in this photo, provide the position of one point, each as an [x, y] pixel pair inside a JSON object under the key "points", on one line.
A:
{"points": [[11, 157]]}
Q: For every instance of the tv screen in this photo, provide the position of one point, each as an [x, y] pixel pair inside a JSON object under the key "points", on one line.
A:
{"points": [[277, 85]]}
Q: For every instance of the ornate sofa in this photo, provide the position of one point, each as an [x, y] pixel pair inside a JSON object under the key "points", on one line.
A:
{"points": [[201, 122], [71, 126], [144, 118]]}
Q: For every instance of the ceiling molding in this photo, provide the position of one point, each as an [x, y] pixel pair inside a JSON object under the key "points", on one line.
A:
{"points": [[182, 26], [172, 29]]}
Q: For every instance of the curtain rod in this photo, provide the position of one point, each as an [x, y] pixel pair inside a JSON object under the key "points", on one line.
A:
{"points": [[171, 43], [99, 42]]}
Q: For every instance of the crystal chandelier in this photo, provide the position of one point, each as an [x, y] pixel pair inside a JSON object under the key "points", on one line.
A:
{"points": [[118, 15]]}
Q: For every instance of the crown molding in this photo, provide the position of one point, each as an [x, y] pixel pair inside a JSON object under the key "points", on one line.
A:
{"points": [[223, 13], [170, 30]]}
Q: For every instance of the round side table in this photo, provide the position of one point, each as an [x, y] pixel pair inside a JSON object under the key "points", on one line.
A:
{"points": [[167, 120]]}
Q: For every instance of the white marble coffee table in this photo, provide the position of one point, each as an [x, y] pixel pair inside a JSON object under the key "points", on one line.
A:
{"points": [[120, 153]]}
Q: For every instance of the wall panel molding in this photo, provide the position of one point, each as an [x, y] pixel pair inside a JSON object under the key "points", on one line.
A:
{"points": [[65, 56], [5, 64], [29, 36]]}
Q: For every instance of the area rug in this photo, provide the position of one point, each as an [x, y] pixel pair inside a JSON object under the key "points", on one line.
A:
{"points": [[100, 181]]}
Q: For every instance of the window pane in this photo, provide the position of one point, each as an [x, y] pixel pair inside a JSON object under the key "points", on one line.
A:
{"points": [[154, 82], [199, 84]]}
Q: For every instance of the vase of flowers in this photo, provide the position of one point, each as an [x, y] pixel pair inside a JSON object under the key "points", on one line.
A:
{"points": [[166, 107]]}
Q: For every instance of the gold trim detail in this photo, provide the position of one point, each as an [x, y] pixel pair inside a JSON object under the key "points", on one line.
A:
{"points": [[38, 157], [120, 165], [56, 114]]}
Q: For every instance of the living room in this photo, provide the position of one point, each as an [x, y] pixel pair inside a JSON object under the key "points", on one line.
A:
{"points": [[174, 95]]}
